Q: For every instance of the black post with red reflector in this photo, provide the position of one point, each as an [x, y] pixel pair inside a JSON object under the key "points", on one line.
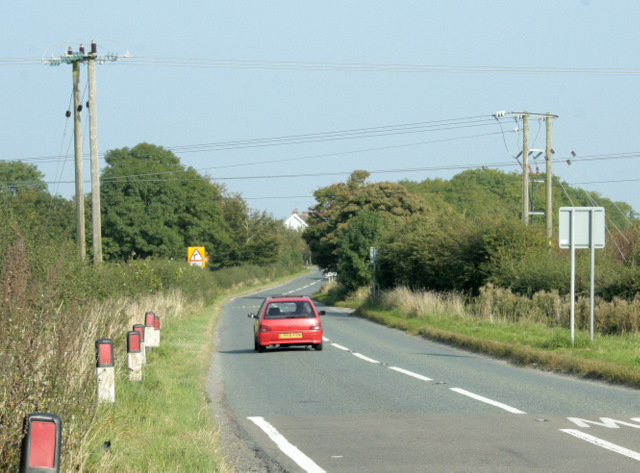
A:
{"points": [[134, 355], [149, 330], [133, 342], [105, 371], [41, 443], [104, 353], [140, 329]]}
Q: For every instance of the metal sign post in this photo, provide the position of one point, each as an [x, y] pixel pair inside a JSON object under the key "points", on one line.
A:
{"points": [[581, 227], [373, 259]]}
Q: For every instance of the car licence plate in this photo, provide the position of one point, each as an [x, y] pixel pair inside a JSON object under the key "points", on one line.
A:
{"points": [[291, 335]]}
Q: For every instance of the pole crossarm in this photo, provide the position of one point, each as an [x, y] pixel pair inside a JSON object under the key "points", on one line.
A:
{"points": [[533, 114], [80, 57], [71, 57]]}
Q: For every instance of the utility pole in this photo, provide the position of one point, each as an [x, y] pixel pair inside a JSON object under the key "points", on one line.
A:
{"points": [[75, 59], [527, 212], [525, 168], [77, 141], [95, 170], [549, 179]]}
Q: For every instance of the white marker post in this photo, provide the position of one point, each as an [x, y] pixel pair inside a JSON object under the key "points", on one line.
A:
{"points": [[134, 356], [105, 370], [149, 331], [140, 329], [156, 332]]}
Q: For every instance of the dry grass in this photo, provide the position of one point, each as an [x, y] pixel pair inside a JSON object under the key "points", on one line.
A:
{"points": [[422, 304], [529, 331]]}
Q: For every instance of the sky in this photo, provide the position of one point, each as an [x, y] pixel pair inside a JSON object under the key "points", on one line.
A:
{"points": [[275, 99]]}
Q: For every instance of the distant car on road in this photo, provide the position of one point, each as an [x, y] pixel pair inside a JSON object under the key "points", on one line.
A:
{"points": [[287, 320]]}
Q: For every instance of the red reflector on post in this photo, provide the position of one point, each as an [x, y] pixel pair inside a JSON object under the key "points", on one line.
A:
{"points": [[140, 329], [156, 322], [104, 353], [148, 319], [133, 342], [43, 444]]}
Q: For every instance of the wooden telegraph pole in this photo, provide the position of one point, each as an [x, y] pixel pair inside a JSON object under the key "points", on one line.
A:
{"points": [[95, 170], [549, 180], [69, 57], [548, 151], [77, 141], [525, 168]]}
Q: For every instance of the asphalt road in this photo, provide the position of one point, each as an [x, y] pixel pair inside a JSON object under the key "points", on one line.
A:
{"points": [[379, 400]]}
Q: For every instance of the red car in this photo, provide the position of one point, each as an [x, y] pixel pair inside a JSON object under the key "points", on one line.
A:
{"points": [[287, 320]]}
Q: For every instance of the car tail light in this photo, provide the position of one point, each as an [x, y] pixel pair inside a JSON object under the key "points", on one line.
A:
{"points": [[264, 328], [315, 327]]}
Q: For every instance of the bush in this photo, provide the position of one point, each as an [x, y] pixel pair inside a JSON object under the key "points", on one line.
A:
{"points": [[52, 310]]}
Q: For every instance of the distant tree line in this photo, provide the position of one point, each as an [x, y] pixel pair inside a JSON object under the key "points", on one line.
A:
{"points": [[461, 234], [152, 206]]}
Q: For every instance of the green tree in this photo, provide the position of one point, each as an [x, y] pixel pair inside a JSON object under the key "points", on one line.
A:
{"points": [[17, 177], [255, 234], [154, 206], [24, 195], [338, 203], [355, 238]]}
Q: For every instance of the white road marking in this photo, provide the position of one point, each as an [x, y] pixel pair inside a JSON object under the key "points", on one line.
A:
{"points": [[605, 422], [303, 461], [410, 373], [603, 443], [477, 397], [340, 347], [365, 358]]}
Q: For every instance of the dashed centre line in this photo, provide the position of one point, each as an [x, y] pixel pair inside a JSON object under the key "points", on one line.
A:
{"points": [[477, 397], [464, 392], [365, 358], [410, 373]]}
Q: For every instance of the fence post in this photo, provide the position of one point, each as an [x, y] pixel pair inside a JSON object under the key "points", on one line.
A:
{"points": [[105, 370], [134, 356], [41, 443]]}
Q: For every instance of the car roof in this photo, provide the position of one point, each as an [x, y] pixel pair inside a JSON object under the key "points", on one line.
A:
{"points": [[288, 298]]}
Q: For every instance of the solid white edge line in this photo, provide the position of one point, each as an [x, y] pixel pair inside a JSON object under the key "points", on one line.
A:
{"points": [[365, 358], [603, 443], [409, 373], [340, 347], [306, 463], [477, 397]]}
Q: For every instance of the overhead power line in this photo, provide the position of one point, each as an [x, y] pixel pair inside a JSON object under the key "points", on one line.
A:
{"points": [[179, 62], [370, 67], [371, 132]]}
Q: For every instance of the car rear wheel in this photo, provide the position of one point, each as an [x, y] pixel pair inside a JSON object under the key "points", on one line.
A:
{"points": [[257, 347], [317, 346]]}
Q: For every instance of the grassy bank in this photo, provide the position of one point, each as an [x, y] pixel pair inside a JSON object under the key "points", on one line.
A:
{"points": [[164, 423], [527, 342]]}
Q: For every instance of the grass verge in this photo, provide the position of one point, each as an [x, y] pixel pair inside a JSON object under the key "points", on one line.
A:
{"points": [[164, 423], [611, 358], [608, 358]]}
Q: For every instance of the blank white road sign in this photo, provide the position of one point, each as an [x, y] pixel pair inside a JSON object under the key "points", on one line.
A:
{"points": [[588, 227]]}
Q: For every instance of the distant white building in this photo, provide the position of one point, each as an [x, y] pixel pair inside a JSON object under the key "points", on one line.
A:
{"points": [[295, 222]]}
